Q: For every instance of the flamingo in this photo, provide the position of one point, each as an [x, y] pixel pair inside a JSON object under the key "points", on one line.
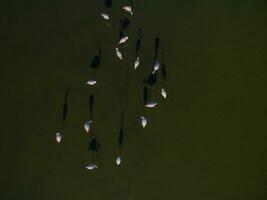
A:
{"points": [[105, 16], [136, 63], [143, 121], [87, 126], [58, 137], [163, 93], [123, 39], [118, 53], [91, 82], [128, 9], [150, 104], [118, 160]]}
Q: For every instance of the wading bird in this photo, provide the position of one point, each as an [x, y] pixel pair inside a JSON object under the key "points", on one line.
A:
{"points": [[128, 9], [156, 67], [58, 137], [118, 53], [136, 63], [91, 82], [123, 39], [150, 104], [91, 166], [87, 126], [105, 16], [118, 160], [163, 93], [143, 121]]}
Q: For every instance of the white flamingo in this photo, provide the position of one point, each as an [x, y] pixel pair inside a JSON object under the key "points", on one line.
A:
{"points": [[156, 67], [105, 16], [150, 104], [91, 166], [128, 9], [91, 82], [163, 93], [87, 126], [123, 39], [118, 53], [136, 63], [58, 137], [118, 160], [143, 121]]}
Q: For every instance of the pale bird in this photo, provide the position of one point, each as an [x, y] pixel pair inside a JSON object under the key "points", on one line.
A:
{"points": [[163, 93], [105, 16], [128, 9], [118, 160], [123, 39], [91, 166], [136, 63], [150, 104], [58, 137], [91, 82], [156, 67], [143, 121], [118, 53], [87, 126]]}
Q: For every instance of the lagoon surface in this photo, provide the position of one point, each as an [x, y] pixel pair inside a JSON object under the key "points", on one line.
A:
{"points": [[206, 141]]}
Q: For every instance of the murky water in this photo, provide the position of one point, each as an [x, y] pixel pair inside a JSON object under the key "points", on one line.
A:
{"points": [[206, 141]]}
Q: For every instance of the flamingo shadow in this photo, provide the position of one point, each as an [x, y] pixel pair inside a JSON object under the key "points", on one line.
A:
{"points": [[120, 138], [108, 3], [91, 106], [145, 94], [125, 23], [138, 42], [96, 60], [156, 47], [65, 106], [152, 79], [94, 145]]}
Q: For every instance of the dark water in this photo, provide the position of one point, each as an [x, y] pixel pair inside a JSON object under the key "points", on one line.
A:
{"points": [[207, 141]]}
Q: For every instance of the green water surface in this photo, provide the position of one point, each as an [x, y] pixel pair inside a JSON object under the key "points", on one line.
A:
{"points": [[206, 141]]}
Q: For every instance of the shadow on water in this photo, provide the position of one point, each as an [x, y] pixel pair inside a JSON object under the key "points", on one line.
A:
{"points": [[163, 68], [120, 138], [138, 42], [156, 47], [108, 3], [94, 145], [96, 60], [65, 106], [121, 34], [145, 94], [91, 106], [125, 23], [152, 79], [131, 3]]}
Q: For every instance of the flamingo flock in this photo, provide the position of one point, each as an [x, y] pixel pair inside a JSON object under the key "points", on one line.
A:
{"points": [[95, 145]]}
